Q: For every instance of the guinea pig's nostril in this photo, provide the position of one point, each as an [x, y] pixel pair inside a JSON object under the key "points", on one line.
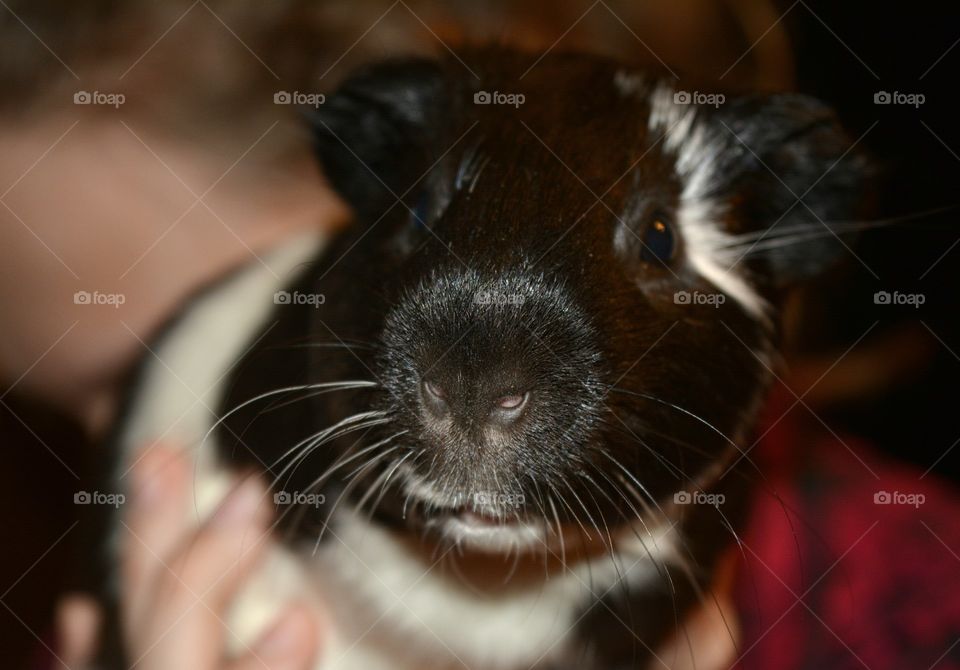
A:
{"points": [[434, 390], [511, 401], [434, 397], [511, 406]]}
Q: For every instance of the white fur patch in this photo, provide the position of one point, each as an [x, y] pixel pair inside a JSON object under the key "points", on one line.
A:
{"points": [[181, 385], [696, 152], [431, 618]]}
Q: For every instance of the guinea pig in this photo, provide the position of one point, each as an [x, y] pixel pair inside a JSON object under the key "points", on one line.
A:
{"points": [[506, 415]]}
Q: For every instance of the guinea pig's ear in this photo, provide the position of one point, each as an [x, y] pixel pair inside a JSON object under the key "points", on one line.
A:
{"points": [[372, 135], [796, 176]]}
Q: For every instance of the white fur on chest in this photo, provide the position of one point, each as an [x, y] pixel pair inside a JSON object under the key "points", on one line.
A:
{"points": [[390, 608], [438, 619]]}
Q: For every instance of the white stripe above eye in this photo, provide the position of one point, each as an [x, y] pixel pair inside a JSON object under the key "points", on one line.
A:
{"points": [[696, 150]]}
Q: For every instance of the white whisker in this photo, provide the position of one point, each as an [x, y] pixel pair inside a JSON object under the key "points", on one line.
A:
{"points": [[286, 389]]}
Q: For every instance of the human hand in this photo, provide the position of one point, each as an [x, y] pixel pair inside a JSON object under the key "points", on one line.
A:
{"points": [[178, 583]]}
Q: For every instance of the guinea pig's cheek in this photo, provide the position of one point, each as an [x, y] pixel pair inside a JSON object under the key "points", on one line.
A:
{"points": [[435, 428]]}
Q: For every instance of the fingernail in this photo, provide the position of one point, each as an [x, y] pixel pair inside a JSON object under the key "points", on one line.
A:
{"points": [[282, 641], [240, 505], [150, 475]]}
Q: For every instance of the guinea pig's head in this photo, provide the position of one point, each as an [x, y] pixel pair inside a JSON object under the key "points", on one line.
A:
{"points": [[564, 276]]}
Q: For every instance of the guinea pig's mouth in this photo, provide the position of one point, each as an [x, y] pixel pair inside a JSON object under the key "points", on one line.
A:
{"points": [[485, 521], [502, 524]]}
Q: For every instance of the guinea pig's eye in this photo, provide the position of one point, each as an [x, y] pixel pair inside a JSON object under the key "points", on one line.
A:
{"points": [[659, 241]]}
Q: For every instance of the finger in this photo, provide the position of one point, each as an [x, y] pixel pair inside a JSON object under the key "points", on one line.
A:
{"points": [[77, 625], [291, 643], [185, 626], [154, 523]]}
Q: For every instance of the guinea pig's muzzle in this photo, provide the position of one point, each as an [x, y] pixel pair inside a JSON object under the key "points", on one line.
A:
{"points": [[496, 377]]}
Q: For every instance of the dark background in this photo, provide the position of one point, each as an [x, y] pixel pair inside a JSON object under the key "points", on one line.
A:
{"points": [[917, 154]]}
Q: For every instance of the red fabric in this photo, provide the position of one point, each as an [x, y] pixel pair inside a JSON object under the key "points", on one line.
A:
{"points": [[878, 584]]}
